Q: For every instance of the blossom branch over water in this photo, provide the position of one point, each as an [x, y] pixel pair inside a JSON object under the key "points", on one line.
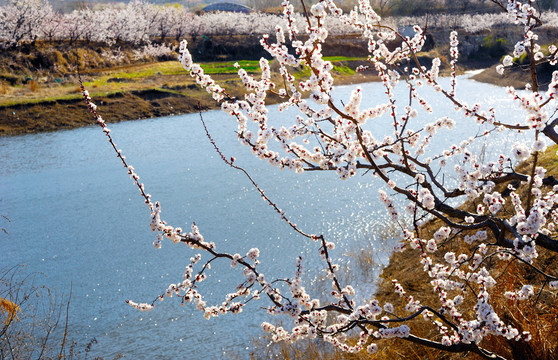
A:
{"points": [[509, 216]]}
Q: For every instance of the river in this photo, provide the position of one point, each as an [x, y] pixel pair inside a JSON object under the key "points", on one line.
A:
{"points": [[76, 218]]}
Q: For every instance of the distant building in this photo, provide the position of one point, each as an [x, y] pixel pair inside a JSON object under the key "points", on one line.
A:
{"points": [[225, 6]]}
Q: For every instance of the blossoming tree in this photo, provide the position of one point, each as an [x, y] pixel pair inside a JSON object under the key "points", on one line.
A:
{"points": [[509, 215], [22, 20]]}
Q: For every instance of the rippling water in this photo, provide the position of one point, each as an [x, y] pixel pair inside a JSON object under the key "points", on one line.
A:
{"points": [[77, 219]]}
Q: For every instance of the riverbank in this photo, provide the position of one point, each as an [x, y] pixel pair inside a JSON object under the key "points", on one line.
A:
{"points": [[161, 89], [122, 97], [132, 92], [39, 87]]}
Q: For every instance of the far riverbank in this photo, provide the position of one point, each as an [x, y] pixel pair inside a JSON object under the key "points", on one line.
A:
{"points": [[123, 97], [162, 94]]}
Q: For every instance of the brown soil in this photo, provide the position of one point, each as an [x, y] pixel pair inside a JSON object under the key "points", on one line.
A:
{"points": [[67, 114]]}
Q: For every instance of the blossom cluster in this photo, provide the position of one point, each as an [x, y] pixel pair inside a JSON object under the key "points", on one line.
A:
{"points": [[346, 144]]}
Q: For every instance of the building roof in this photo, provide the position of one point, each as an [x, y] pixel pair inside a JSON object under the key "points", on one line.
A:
{"points": [[225, 6]]}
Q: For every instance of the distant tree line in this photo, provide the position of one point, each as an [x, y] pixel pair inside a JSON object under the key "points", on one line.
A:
{"points": [[139, 22]]}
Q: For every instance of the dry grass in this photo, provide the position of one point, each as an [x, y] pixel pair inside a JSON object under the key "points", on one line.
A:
{"points": [[33, 85], [318, 349], [302, 350]]}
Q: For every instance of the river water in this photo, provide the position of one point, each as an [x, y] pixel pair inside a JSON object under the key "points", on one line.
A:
{"points": [[76, 218]]}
